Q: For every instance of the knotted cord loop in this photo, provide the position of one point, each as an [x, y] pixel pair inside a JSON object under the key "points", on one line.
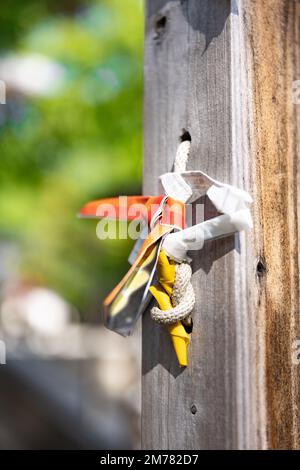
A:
{"points": [[183, 296]]}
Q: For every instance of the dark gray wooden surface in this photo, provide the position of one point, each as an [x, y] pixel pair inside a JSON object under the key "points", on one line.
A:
{"points": [[223, 70], [188, 85]]}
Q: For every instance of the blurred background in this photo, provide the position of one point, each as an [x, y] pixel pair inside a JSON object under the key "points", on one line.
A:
{"points": [[70, 131]]}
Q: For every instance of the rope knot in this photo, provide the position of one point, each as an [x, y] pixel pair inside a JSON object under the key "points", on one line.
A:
{"points": [[183, 298]]}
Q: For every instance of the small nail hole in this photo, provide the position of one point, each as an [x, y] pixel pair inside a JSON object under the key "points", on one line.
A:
{"points": [[188, 325], [185, 136], [193, 409], [159, 27], [160, 23], [261, 268]]}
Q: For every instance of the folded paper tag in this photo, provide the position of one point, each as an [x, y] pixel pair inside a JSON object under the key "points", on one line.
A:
{"points": [[163, 220], [124, 305], [159, 215], [191, 185], [232, 202]]}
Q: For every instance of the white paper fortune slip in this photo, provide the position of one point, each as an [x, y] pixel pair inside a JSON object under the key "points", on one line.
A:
{"points": [[233, 204]]}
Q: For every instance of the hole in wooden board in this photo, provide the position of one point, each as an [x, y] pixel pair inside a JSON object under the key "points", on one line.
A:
{"points": [[261, 268], [160, 23], [160, 26], [188, 325], [185, 136]]}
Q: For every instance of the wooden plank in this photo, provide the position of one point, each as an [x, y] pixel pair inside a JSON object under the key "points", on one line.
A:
{"points": [[224, 70], [274, 58]]}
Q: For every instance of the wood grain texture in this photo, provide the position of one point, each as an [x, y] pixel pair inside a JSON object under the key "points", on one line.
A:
{"points": [[274, 52], [223, 70]]}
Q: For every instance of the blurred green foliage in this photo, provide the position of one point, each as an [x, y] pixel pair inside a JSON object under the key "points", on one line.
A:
{"points": [[81, 142]]}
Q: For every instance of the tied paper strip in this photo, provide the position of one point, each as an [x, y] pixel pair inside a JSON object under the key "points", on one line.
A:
{"points": [[232, 202]]}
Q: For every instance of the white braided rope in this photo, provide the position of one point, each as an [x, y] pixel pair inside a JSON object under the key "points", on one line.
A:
{"points": [[183, 296], [182, 156]]}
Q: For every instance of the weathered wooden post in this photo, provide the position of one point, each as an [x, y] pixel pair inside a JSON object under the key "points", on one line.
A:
{"points": [[224, 70]]}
